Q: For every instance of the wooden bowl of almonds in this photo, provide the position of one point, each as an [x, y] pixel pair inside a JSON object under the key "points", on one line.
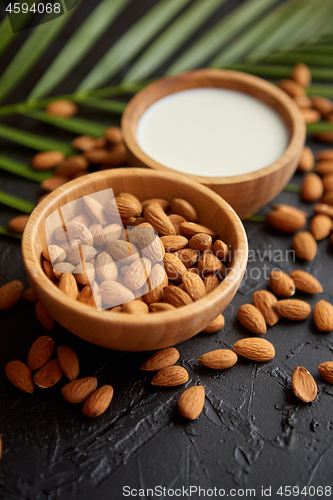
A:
{"points": [[135, 259]]}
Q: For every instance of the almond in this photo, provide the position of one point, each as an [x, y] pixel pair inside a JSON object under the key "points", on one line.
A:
{"points": [[321, 226], [219, 359], [114, 158], [58, 270], [323, 316], [265, 301], [293, 309], [84, 273], [208, 263], [176, 220], [114, 293], [173, 267], [91, 296], [78, 390], [191, 402], [170, 376], [53, 182], [325, 154], [161, 307], [94, 210], [128, 205], [123, 251], [161, 359], [293, 88], [177, 297], [310, 115], [10, 294], [287, 221], [155, 215], [49, 375], [49, 270], [185, 209], [158, 279], [200, 242], [305, 245], [20, 375], [17, 224], [322, 208], [281, 284], [194, 285], [68, 362], [305, 282], [324, 136], [87, 143], [43, 316], [135, 307], [29, 295], [113, 135], [251, 318], [327, 198], [149, 243], [323, 105], [71, 166], [301, 74], [70, 231], [303, 385], [306, 161], [40, 352], [303, 101], [68, 286], [328, 182], [110, 233], [62, 108], [106, 268], [221, 250], [188, 257], [54, 254], [324, 167], [164, 204], [174, 243], [211, 281], [312, 188], [326, 371], [215, 325], [137, 274], [47, 160], [189, 229], [98, 401], [255, 348]]}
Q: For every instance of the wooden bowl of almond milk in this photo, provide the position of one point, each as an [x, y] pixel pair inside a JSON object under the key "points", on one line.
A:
{"points": [[235, 133]]}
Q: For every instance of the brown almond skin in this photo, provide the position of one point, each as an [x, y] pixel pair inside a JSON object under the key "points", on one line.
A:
{"points": [[288, 222], [161, 307], [255, 348], [194, 285], [68, 361], [323, 316], [265, 302], [48, 375], [215, 325], [135, 307], [40, 352], [305, 282], [322, 208], [174, 243], [191, 402], [252, 319], [176, 296], [310, 115], [326, 371], [324, 136], [161, 359], [29, 295], [173, 267], [200, 242], [68, 286], [219, 359], [324, 167], [321, 226], [281, 284], [62, 108], [305, 245], [293, 88], [43, 316], [325, 154], [189, 229], [221, 250], [10, 294], [20, 375], [78, 390], [47, 160], [312, 188], [170, 377], [17, 224], [98, 401], [307, 160], [303, 385], [296, 310], [113, 135], [185, 209], [301, 74]]}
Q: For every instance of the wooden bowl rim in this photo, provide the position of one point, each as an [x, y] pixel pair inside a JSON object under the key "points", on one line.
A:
{"points": [[184, 81], [37, 277]]}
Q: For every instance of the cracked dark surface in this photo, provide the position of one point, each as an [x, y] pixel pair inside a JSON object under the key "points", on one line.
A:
{"points": [[253, 431]]}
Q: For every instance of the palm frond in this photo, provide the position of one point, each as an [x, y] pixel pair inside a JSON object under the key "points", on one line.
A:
{"points": [[34, 141], [22, 169]]}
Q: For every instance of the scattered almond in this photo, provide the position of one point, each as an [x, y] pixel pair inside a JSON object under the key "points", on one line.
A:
{"points": [[326, 371], [310, 115], [68, 361], [98, 401], [87, 143], [265, 302], [301, 74], [293, 88], [71, 166], [48, 375], [305, 282], [17, 224], [20, 375], [323, 316], [324, 136], [321, 226], [219, 359], [324, 167], [53, 183], [215, 325], [78, 390], [170, 377], [40, 352], [322, 105], [312, 188], [10, 294], [161, 359], [47, 160], [29, 295], [251, 318], [63, 108], [303, 385], [191, 402], [293, 309], [281, 284], [305, 245], [306, 161], [285, 220], [322, 208], [325, 154], [113, 135], [255, 348], [43, 316]]}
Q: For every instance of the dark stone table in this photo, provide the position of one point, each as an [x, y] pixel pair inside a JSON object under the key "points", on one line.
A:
{"points": [[253, 432]]}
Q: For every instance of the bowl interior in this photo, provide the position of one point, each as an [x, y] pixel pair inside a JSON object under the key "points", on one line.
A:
{"points": [[145, 184]]}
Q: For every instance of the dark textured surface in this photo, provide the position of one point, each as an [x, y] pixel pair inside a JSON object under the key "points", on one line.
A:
{"points": [[253, 431]]}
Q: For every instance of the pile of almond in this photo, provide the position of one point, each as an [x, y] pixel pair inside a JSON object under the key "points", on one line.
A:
{"points": [[49, 371], [159, 258]]}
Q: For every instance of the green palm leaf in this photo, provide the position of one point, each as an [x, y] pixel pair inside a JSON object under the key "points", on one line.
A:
{"points": [[34, 141], [22, 169], [78, 46], [132, 42]]}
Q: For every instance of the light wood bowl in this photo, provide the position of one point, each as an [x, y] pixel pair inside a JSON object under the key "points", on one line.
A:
{"points": [[246, 193], [120, 330]]}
